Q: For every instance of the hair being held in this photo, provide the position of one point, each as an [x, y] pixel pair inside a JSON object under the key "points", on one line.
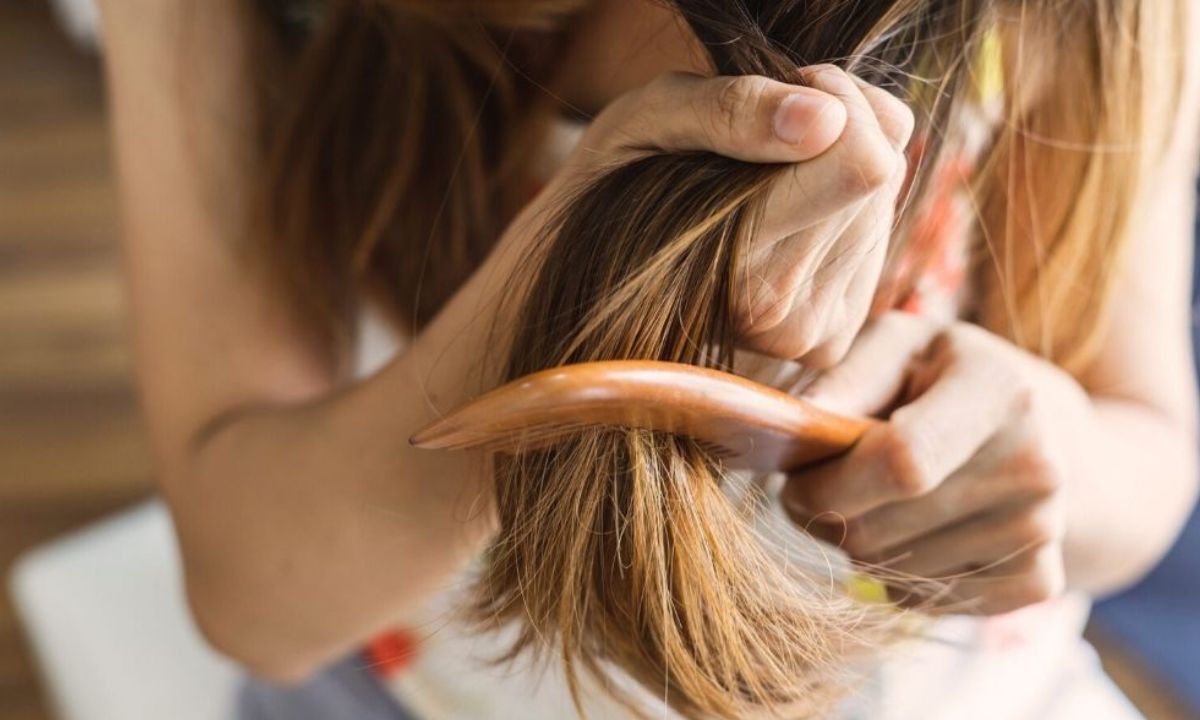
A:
{"points": [[621, 548], [624, 550]]}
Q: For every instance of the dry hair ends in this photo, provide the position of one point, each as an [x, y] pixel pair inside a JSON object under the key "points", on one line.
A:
{"points": [[399, 154], [622, 548]]}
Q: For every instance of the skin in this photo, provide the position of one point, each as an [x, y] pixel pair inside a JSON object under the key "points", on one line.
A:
{"points": [[307, 524]]}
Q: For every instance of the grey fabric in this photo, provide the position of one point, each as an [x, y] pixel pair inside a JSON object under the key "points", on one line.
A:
{"points": [[344, 691]]}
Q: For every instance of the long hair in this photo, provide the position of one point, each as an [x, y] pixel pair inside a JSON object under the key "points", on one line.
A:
{"points": [[401, 153]]}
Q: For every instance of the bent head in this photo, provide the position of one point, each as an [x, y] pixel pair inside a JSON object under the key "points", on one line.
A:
{"points": [[404, 144]]}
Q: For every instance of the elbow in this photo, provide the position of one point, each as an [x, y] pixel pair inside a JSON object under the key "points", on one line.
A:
{"points": [[1187, 495], [234, 609], [1156, 541], [228, 627]]}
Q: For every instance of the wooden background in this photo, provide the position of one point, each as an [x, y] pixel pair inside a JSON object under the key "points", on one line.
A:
{"points": [[71, 447]]}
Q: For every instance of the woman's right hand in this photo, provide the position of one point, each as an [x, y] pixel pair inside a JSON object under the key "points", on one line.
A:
{"points": [[816, 262]]}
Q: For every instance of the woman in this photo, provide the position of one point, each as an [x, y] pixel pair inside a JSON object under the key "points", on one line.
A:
{"points": [[1028, 456]]}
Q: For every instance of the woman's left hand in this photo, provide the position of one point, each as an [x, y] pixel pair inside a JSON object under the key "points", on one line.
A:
{"points": [[965, 481]]}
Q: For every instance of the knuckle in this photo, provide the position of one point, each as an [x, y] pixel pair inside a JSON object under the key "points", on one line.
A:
{"points": [[829, 352], [806, 333], [857, 538], [1037, 528], [1045, 581], [779, 332], [1039, 470], [766, 305], [892, 113], [904, 470], [814, 74], [904, 114], [1023, 396], [781, 346], [899, 115], [733, 102], [900, 324], [958, 338], [869, 165], [1019, 594], [956, 344]]}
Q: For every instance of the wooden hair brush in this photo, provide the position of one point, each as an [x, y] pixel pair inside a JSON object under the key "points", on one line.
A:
{"points": [[744, 423]]}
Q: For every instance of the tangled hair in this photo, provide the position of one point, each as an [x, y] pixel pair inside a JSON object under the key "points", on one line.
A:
{"points": [[402, 152]]}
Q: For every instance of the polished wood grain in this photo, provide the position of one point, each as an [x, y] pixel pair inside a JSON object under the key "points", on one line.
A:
{"points": [[746, 424]]}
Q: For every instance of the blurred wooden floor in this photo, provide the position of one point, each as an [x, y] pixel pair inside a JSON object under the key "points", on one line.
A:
{"points": [[70, 444], [71, 447]]}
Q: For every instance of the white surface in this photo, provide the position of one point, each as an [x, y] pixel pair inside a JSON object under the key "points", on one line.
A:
{"points": [[81, 20], [105, 611]]}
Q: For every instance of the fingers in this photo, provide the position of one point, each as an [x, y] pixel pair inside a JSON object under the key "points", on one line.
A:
{"points": [[1029, 578], [883, 531], [749, 118], [873, 373], [931, 436], [856, 305], [825, 232], [811, 293], [830, 131], [798, 287], [895, 118], [976, 544], [863, 161], [938, 424]]}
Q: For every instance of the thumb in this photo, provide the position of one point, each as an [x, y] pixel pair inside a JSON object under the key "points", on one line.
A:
{"points": [[747, 117]]}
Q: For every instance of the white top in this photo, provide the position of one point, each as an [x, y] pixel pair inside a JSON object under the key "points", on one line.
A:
{"points": [[1022, 665], [1030, 664]]}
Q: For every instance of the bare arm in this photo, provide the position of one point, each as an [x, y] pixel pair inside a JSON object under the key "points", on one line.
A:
{"points": [[1138, 474], [306, 520], [999, 471]]}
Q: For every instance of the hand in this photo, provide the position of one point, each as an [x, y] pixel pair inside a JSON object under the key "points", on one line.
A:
{"points": [[965, 481], [816, 262]]}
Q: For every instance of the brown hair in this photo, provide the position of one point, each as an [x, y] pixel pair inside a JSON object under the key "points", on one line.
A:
{"points": [[394, 170]]}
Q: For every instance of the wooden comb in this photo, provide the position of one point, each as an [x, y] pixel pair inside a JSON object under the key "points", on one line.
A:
{"points": [[744, 423]]}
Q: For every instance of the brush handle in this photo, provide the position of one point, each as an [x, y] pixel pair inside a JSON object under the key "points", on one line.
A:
{"points": [[749, 424]]}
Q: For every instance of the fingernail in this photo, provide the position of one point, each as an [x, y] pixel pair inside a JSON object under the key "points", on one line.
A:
{"points": [[797, 114]]}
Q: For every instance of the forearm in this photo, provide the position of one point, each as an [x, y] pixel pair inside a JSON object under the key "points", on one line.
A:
{"points": [[1133, 485], [306, 520], [305, 529]]}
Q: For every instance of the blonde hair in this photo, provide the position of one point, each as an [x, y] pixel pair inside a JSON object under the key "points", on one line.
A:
{"points": [[1059, 191]]}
